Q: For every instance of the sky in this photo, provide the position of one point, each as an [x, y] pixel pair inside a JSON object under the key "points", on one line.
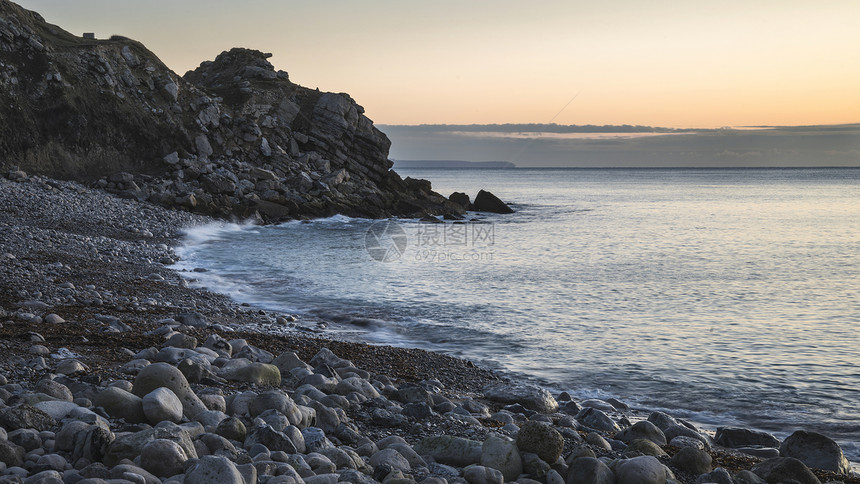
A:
{"points": [[657, 63]]}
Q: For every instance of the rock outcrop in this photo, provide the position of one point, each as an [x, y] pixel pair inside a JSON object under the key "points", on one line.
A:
{"points": [[233, 137]]}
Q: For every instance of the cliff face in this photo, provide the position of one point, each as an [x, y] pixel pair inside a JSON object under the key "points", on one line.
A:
{"points": [[232, 137]]}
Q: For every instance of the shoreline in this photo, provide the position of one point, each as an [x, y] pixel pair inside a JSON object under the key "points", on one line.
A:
{"points": [[113, 257]]}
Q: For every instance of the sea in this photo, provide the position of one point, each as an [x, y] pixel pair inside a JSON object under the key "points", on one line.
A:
{"points": [[723, 296]]}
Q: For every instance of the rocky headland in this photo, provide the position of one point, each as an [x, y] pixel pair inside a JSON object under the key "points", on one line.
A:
{"points": [[232, 138]]}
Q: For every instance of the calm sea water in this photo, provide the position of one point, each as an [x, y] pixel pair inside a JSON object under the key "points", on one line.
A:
{"points": [[726, 296]]}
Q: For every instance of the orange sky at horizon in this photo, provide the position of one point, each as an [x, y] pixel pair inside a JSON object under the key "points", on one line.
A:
{"points": [[667, 63]]}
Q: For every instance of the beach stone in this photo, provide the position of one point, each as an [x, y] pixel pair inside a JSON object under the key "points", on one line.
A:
{"points": [[534, 466], [181, 340], [476, 474], [326, 356], [530, 396], [53, 462], [218, 344], [716, 476], [54, 389], [598, 404], [163, 458], [232, 428], [598, 441], [162, 404], [642, 430], [390, 458], [315, 439], [274, 400], [450, 450], [210, 418], [487, 202], [210, 468], [159, 375], [11, 454], [261, 374], [133, 473], [460, 199], [733, 437], [540, 439], [27, 438], [596, 419], [195, 319], [662, 420], [121, 404], [130, 445], [763, 452], [25, 417], [407, 452], [674, 431], [641, 470], [358, 385], [746, 477], [71, 367], [91, 444], [815, 450], [692, 460], [288, 360], [45, 477], [213, 401], [683, 441], [501, 453], [785, 469], [271, 438], [644, 447], [589, 470]]}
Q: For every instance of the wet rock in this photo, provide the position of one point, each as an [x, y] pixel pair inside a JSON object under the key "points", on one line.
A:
{"points": [[540, 439], [487, 202], [815, 450], [785, 469]]}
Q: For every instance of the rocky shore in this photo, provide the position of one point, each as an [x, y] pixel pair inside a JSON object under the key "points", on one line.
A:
{"points": [[113, 370]]}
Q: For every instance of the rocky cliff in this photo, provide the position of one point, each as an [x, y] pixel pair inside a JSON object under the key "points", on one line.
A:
{"points": [[234, 137]]}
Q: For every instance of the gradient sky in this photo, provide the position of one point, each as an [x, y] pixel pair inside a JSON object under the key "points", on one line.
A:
{"points": [[660, 63]]}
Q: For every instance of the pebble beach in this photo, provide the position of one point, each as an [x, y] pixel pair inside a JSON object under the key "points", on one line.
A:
{"points": [[113, 370]]}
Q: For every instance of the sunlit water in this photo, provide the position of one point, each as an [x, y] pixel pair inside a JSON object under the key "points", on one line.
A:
{"points": [[726, 296]]}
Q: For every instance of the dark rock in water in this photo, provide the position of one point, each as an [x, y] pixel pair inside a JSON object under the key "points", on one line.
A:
{"points": [[487, 202], [738, 437], [785, 469], [461, 199], [815, 450]]}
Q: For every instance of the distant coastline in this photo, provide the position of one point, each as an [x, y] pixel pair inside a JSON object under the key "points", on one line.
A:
{"points": [[448, 164]]}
